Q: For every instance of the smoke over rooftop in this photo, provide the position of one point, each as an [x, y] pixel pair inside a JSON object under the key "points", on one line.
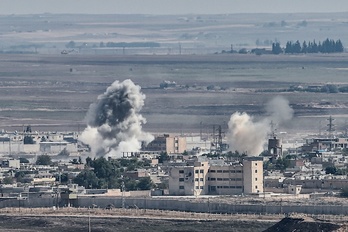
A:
{"points": [[114, 124], [247, 135]]}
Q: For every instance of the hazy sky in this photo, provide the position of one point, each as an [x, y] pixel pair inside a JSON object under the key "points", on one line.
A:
{"points": [[170, 6]]}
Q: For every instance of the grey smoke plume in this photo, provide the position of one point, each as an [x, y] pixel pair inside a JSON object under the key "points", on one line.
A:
{"points": [[247, 135], [114, 124], [278, 110]]}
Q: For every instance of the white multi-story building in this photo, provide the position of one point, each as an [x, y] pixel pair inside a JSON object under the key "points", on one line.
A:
{"points": [[216, 177]]}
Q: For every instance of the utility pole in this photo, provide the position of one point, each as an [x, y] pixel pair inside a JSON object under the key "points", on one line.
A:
{"points": [[200, 130], [220, 138], [331, 126], [89, 221], [123, 189]]}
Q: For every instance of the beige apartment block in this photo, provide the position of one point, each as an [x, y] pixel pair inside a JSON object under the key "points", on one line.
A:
{"points": [[253, 175], [189, 180], [215, 177], [167, 143]]}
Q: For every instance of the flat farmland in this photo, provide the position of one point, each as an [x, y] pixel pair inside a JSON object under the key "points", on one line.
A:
{"points": [[53, 92]]}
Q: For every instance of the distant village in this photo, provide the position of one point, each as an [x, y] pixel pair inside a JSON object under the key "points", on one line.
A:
{"points": [[36, 165]]}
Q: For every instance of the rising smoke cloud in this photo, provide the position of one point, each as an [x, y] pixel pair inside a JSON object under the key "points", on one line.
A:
{"points": [[114, 124], [247, 135]]}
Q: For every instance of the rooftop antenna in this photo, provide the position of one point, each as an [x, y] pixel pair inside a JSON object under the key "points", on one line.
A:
{"points": [[273, 129]]}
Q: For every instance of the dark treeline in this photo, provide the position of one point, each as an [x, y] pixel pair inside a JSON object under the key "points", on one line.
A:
{"points": [[327, 46]]}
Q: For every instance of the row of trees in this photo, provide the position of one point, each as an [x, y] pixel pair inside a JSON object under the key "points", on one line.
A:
{"points": [[73, 44], [327, 46], [329, 88]]}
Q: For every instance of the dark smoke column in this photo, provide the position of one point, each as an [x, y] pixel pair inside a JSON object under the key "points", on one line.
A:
{"points": [[114, 124]]}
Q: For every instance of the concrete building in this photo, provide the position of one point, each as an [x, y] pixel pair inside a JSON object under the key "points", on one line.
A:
{"points": [[56, 147], [294, 189], [253, 175], [216, 177], [275, 147], [11, 163], [167, 143], [137, 174], [43, 177], [326, 144]]}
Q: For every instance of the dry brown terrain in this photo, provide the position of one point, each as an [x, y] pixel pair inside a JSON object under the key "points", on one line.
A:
{"points": [[80, 219], [127, 220], [53, 92]]}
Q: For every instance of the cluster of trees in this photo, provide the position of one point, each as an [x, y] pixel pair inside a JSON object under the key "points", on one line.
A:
{"points": [[280, 164], [327, 46], [335, 171], [43, 160], [329, 88], [101, 173]]}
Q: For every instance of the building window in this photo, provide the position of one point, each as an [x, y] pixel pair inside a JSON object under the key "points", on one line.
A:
{"points": [[219, 179], [181, 179], [196, 179], [219, 171], [233, 171], [255, 186], [212, 170], [181, 187], [255, 171], [181, 171], [255, 164], [201, 171], [255, 179], [225, 171], [201, 187], [201, 179], [212, 179], [202, 164], [197, 187], [196, 171]]}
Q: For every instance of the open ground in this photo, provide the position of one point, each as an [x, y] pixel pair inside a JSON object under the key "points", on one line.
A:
{"points": [[53, 92]]}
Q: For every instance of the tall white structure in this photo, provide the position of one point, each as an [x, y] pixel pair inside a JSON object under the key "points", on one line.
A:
{"points": [[216, 177]]}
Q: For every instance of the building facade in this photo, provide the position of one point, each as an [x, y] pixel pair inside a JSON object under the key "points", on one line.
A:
{"points": [[215, 177], [167, 143]]}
